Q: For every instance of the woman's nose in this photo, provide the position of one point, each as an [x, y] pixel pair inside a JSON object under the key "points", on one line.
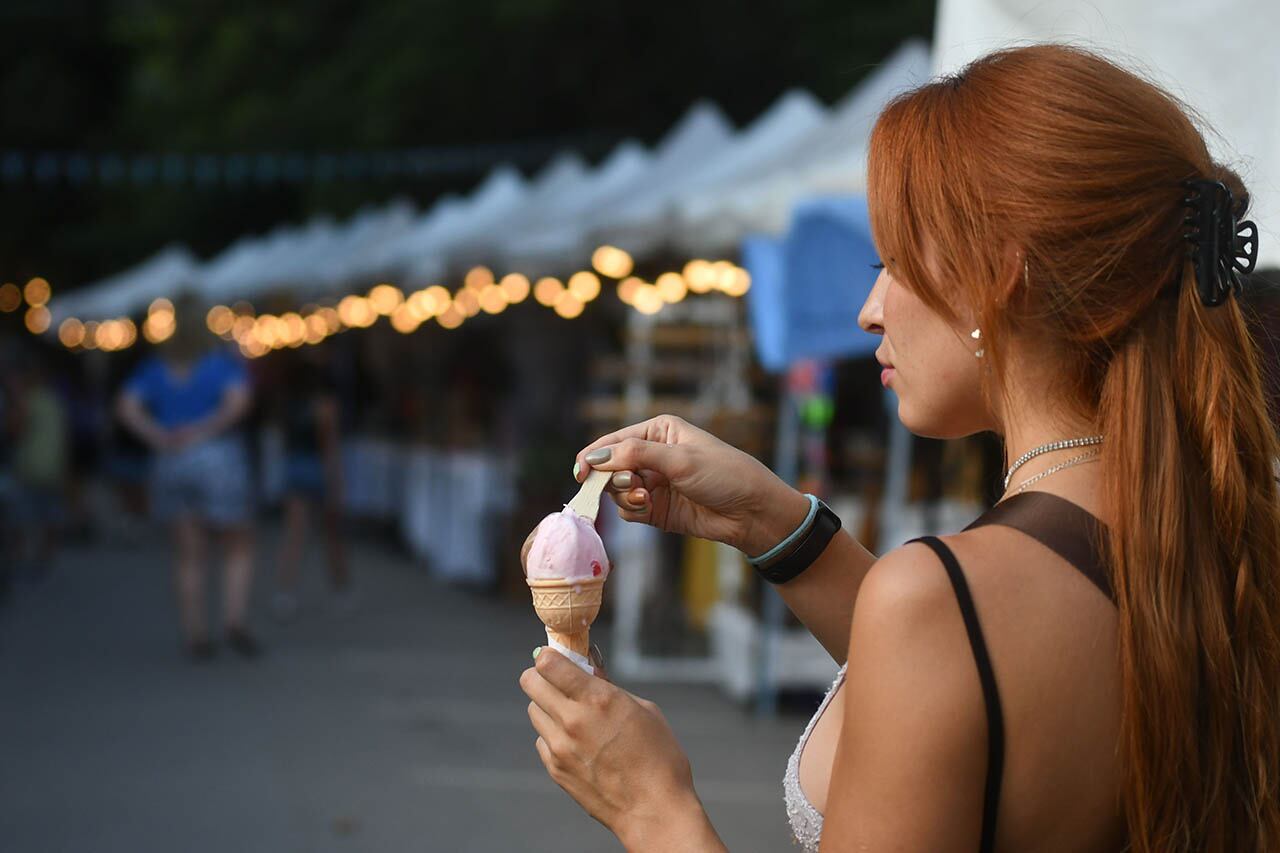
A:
{"points": [[871, 317]]}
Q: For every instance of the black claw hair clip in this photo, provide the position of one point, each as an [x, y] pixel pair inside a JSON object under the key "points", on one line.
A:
{"points": [[1221, 246]]}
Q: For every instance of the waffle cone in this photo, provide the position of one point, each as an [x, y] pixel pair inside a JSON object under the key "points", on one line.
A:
{"points": [[568, 608]]}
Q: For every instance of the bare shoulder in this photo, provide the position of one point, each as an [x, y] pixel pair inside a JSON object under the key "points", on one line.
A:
{"points": [[910, 761], [906, 587]]}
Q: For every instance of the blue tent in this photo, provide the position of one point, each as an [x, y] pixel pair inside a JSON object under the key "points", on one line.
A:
{"points": [[807, 288]]}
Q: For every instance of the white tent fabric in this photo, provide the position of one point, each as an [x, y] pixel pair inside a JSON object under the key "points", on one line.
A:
{"points": [[337, 263], [560, 179], [830, 160], [637, 204], [419, 256], [554, 237], [1218, 57], [164, 274], [644, 220]]}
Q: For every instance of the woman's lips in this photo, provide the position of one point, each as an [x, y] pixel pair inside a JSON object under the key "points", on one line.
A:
{"points": [[885, 376]]}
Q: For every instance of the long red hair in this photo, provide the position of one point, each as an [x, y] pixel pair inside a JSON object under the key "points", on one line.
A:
{"points": [[1054, 157]]}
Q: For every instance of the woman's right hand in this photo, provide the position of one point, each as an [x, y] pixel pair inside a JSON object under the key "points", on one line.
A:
{"points": [[681, 479]]}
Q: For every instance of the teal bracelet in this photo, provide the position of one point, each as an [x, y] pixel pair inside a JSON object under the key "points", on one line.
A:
{"points": [[790, 540]]}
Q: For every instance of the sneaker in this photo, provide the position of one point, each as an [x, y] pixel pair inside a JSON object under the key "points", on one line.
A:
{"points": [[243, 643], [284, 607]]}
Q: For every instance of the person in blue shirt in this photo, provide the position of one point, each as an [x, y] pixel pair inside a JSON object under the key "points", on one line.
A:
{"points": [[186, 405]]}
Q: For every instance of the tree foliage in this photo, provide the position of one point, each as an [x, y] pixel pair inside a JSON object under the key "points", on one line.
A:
{"points": [[331, 75]]}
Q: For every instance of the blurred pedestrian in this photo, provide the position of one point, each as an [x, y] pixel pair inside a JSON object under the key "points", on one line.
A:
{"points": [[39, 424], [310, 416], [186, 405]]}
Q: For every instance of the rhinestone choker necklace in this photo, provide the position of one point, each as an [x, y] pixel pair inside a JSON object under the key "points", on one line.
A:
{"points": [[1065, 444]]}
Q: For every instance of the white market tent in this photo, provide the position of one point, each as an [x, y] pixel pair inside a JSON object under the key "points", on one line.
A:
{"points": [[419, 260], [638, 204], [643, 220], [562, 178], [1218, 57], [129, 292], [550, 239], [830, 160], [645, 201]]}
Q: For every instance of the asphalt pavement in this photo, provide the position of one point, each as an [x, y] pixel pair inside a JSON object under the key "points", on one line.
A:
{"points": [[396, 725]]}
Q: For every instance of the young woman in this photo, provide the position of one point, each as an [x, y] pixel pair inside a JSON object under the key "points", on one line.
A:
{"points": [[1094, 664]]}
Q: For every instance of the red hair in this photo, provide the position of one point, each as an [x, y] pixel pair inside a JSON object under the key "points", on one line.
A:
{"points": [[1054, 157]]}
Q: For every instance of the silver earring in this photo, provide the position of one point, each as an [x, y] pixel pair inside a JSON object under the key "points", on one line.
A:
{"points": [[976, 334]]}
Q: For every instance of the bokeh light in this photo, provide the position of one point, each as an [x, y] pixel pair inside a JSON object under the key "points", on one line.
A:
{"points": [[71, 332], [672, 287], [37, 320], [493, 299], [384, 298], [477, 279], [10, 297], [37, 292], [585, 286], [220, 319], [404, 320], [516, 286], [547, 291], [569, 306], [612, 262], [467, 302], [628, 288], [700, 276], [648, 300], [451, 317]]}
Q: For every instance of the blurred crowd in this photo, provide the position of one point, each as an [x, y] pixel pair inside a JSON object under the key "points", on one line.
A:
{"points": [[191, 442]]}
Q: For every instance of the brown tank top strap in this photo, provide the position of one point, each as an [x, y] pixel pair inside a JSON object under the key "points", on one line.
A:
{"points": [[1067, 529]]}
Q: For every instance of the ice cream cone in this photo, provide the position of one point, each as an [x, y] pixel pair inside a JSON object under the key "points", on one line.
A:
{"points": [[567, 608]]}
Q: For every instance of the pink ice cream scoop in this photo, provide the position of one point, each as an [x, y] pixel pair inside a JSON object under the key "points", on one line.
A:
{"points": [[566, 545]]}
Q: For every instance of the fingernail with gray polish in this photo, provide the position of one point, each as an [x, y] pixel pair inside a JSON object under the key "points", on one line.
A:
{"points": [[600, 456], [622, 480], [577, 468]]}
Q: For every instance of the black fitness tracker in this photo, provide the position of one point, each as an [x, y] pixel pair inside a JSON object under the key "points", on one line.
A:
{"points": [[810, 546]]}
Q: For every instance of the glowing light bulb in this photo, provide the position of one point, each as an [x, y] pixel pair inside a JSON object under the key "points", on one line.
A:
{"points": [[10, 297], [493, 300], [477, 279], [37, 292], [467, 302], [404, 320], [569, 306], [628, 288], [219, 319], [648, 300], [317, 328], [585, 286], [37, 319], [384, 298], [672, 287], [738, 283], [240, 327], [159, 306], [612, 262], [547, 291], [71, 332], [90, 340], [451, 317], [516, 286], [700, 276]]}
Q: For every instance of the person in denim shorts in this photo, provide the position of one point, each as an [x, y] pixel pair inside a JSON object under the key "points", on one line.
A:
{"points": [[186, 405]]}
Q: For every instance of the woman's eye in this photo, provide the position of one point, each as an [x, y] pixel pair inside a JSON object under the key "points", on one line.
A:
{"points": [[877, 266]]}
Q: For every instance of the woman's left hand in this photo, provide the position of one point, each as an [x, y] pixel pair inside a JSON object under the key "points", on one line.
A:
{"points": [[611, 751]]}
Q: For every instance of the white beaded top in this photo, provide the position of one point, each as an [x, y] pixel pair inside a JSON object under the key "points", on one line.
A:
{"points": [[805, 820]]}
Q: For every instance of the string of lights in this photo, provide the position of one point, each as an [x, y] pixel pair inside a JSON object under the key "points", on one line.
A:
{"points": [[480, 292]]}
